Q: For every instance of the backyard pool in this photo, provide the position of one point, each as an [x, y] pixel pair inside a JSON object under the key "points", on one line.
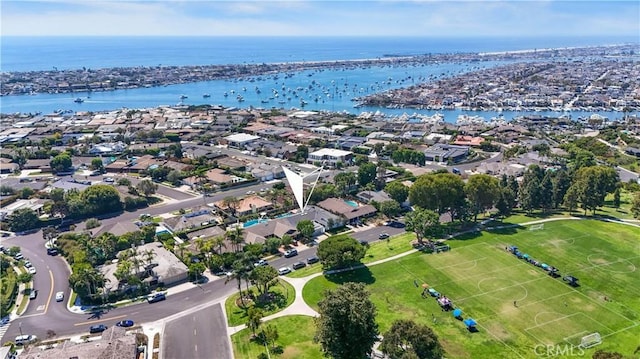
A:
{"points": [[253, 222], [351, 203]]}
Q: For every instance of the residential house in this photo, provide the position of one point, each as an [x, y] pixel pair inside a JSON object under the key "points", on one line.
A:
{"points": [[442, 152], [240, 140], [166, 269], [348, 211], [115, 342], [330, 157]]}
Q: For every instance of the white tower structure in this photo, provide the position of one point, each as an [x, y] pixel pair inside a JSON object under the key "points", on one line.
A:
{"points": [[296, 182]]}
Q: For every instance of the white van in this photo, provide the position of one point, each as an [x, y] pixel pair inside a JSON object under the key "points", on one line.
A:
{"points": [[25, 339]]}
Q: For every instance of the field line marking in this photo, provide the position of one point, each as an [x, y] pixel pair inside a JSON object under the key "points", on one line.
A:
{"points": [[553, 320], [530, 303], [620, 330], [566, 339], [499, 289], [501, 341], [460, 263], [481, 274]]}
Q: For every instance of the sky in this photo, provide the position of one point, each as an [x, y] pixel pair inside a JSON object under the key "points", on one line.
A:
{"points": [[428, 18]]}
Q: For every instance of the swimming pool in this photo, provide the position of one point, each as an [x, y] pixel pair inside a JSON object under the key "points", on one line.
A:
{"points": [[351, 203], [253, 222]]}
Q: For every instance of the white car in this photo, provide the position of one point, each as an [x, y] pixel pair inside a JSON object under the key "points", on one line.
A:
{"points": [[32, 270], [28, 264], [59, 296], [284, 270]]}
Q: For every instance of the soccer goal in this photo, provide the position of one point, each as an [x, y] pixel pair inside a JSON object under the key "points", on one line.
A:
{"points": [[536, 227], [590, 340]]}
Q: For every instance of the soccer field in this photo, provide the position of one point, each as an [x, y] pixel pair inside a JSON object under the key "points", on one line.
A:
{"points": [[521, 310]]}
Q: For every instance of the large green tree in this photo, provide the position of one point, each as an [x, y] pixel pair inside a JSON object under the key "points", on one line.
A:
{"points": [[592, 185], [482, 191], [440, 192], [264, 277], [346, 327], [367, 173], [61, 162], [97, 165], [397, 191], [340, 251], [306, 228], [146, 187], [406, 339], [23, 219], [345, 182], [425, 223]]}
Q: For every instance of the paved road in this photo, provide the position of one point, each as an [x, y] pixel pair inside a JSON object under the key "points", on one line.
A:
{"points": [[198, 335], [369, 235], [66, 323]]}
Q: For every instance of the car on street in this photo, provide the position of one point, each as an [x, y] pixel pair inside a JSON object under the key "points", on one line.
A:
{"points": [[25, 339], [52, 251], [125, 323], [157, 297], [383, 235], [261, 262], [313, 259], [18, 256], [28, 264], [32, 270], [109, 180], [284, 270], [291, 253], [97, 328], [59, 296], [34, 294], [298, 265]]}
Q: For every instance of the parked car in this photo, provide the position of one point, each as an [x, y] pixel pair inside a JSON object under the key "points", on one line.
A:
{"points": [[59, 296], [97, 328], [28, 264], [261, 262], [32, 270], [109, 180], [291, 253], [34, 294], [298, 265], [284, 270], [52, 251], [18, 256], [383, 235], [313, 259], [25, 339], [125, 323], [157, 297]]}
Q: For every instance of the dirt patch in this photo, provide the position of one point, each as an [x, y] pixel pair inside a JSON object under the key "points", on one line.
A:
{"points": [[498, 331], [599, 261]]}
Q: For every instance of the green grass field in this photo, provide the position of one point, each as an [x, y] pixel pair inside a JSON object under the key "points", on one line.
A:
{"points": [[484, 280], [295, 337], [283, 292]]}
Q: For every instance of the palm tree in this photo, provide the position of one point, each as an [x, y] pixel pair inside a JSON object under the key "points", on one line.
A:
{"points": [[235, 237], [219, 241], [254, 319], [181, 248]]}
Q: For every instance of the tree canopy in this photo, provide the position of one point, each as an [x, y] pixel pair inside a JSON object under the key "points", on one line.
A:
{"points": [[346, 327], [425, 223], [408, 339], [23, 219], [340, 251], [482, 191], [397, 191], [61, 162]]}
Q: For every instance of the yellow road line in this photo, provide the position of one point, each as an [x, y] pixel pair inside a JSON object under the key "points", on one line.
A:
{"points": [[46, 307]]}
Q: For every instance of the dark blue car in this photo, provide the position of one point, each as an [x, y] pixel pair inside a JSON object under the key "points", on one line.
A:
{"points": [[125, 323]]}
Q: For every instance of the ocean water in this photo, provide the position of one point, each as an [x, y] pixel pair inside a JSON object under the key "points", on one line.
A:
{"points": [[330, 90]]}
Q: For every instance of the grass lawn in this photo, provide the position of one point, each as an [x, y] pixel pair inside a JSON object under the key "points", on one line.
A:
{"points": [[377, 250], [295, 337], [484, 280], [284, 295]]}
